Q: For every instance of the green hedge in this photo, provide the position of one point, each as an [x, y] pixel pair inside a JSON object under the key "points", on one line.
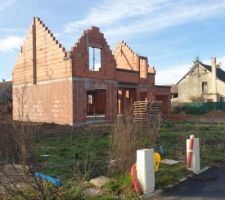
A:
{"points": [[198, 108]]}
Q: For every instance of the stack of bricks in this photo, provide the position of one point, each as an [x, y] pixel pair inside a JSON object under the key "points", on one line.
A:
{"points": [[147, 113]]}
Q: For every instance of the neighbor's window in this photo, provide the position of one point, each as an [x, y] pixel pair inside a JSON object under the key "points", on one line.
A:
{"points": [[94, 59], [204, 87]]}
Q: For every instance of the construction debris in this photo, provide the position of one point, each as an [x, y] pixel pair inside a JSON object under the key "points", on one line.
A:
{"points": [[100, 181], [169, 162]]}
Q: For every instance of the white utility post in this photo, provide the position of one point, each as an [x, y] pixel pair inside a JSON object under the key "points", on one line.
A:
{"points": [[195, 154], [145, 170]]}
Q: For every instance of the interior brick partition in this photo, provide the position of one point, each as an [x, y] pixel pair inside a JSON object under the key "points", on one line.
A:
{"points": [[51, 84]]}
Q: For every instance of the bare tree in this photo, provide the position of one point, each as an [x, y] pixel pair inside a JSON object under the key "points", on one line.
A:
{"points": [[17, 178]]}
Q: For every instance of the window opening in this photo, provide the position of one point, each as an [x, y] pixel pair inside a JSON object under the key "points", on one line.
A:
{"points": [[204, 87], [94, 59]]}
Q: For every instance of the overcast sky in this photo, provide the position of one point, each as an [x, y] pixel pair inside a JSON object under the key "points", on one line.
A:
{"points": [[171, 33]]}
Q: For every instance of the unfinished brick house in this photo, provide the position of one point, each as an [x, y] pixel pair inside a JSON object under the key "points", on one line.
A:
{"points": [[89, 82]]}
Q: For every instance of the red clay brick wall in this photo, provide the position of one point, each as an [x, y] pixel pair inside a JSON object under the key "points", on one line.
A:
{"points": [[80, 101], [151, 78], [80, 56], [162, 93], [57, 82], [125, 57], [127, 76], [111, 101], [86, 80], [143, 68], [80, 88], [22, 72], [48, 83], [44, 102], [50, 57], [149, 89]]}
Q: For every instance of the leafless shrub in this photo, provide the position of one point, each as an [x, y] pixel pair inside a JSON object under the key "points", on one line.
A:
{"points": [[5, 111], [18, 164], [127, 137]]}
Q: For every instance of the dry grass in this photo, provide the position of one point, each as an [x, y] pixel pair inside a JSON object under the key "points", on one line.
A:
{"points": [[127, 137]]}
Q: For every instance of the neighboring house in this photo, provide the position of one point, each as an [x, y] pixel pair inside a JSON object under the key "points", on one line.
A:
{"points": [[5, 91], [88, 82], [201, 83]]}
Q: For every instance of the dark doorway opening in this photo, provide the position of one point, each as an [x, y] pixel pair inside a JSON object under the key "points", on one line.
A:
{"points": [[96, 103], [143, 96], [125, 99]]}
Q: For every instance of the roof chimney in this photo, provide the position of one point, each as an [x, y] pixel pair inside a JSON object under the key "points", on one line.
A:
{"points": [[213, 61], [213, 77]]}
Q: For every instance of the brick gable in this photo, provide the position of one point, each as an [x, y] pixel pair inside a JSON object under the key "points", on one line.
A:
{"points": [[80, 56], [42, 57]]}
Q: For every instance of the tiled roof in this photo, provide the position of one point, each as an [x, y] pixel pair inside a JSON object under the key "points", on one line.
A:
{"points": [[220, 74]]}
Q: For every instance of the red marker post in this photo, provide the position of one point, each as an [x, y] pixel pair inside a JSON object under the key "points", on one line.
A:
{"points": [[135, 179], [190, 151], [193, 154]]}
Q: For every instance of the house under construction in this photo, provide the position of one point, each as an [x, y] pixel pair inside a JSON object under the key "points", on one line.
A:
{"points": [[89, 82]]}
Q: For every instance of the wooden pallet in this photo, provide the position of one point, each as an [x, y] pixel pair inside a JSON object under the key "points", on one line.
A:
{"points": [[146, 113]]}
